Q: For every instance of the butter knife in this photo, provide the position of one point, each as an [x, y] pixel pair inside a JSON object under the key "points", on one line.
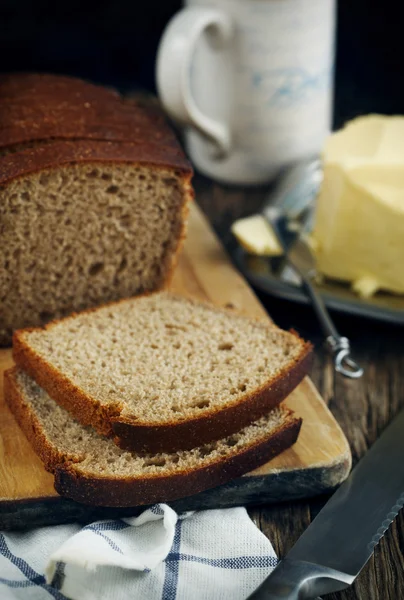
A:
{"points": [[293, 198], [336, 546]]}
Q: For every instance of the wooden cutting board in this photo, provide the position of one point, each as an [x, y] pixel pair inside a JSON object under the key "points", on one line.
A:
{"points": [[317, 463]]}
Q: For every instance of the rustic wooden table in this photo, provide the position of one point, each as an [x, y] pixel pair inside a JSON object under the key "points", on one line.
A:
{"points": [[363, 408]]}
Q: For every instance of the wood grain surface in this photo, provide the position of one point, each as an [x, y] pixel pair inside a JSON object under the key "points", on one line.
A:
{"points": [[319, 460], [363, 408]]}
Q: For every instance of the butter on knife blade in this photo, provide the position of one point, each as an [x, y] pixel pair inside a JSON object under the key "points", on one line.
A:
{"points": [[256, 236], [291, 196]]}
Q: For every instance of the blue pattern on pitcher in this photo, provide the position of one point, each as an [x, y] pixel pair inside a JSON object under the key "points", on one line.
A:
{"points": [[290, 86]]}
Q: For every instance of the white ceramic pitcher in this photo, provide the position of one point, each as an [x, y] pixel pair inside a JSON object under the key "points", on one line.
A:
{"points": [[251, 80]]}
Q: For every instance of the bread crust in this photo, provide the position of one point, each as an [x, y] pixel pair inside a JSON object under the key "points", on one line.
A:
{"points": [[58, 153], [165, 437], [125, 492], [70, 120], [40, 107]]}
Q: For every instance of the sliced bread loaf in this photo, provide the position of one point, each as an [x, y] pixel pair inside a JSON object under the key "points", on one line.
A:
{"points": [[162, 372], [94, 194], [93, 470]]}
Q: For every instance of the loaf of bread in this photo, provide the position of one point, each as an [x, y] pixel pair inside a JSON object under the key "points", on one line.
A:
{"points": [[161, 372], [91, 469], [93, 198]]}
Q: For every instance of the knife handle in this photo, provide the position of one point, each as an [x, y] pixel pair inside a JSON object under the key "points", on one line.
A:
{"points": [[299, 580], [337, 344]]}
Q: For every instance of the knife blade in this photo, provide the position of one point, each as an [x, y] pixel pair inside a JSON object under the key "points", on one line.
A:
{"points": [[295, 189], [335, 547]]}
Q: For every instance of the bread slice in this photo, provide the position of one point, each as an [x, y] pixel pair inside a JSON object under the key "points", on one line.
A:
{"points": [[162, 372], [94, 194], [93, 470]]}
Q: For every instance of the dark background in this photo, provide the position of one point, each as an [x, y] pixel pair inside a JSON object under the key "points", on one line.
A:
{"points": [[114, 42]]}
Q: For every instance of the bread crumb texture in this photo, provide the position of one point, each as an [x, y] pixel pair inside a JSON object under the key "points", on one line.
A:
{"points": [[80, 235], [97, 456], [164, 359]]}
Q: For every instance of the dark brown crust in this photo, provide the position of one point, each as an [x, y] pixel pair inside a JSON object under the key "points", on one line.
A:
{"points": [[70, 120], [58, 153], [28, 422], [167, 437], [114, 492], [39, 107]]}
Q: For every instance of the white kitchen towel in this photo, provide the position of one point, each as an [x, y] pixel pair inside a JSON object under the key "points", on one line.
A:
{"points": [[159, 555]]}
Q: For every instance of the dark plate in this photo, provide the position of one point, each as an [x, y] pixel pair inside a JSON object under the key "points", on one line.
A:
{"points": [[337, 296]]}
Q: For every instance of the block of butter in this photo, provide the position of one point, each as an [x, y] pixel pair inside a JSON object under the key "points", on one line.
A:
{"points": [[358, 234]]}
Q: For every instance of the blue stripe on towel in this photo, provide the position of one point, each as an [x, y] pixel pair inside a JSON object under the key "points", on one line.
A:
{"points": [[32, 576], [237, 563], [17, 584], [98, 529], [157, 510], [59, 576], [172, 566], [108, 526]]}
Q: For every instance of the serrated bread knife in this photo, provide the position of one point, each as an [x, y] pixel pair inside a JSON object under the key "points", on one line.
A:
{"points": [[341, 539]]}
